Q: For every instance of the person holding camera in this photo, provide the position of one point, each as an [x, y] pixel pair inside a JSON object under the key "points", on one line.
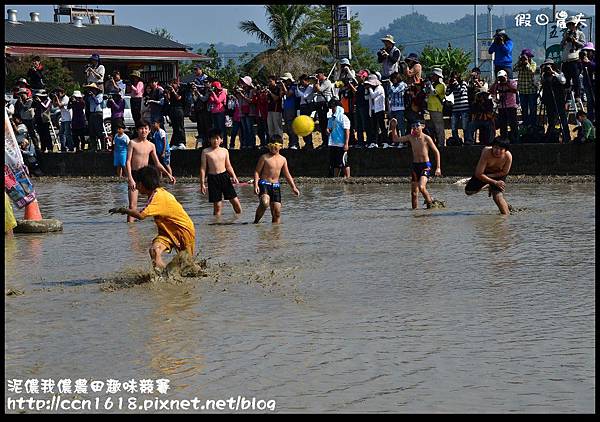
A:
{"points": [[200, 94], [502, 50], [116, 103], [78, 122], [460, 108], [390, 57], [572, 42], [377, 134], [323, 93], [413, 69], [588, 69], [42, 105], [156, 101], [35, 74], [504, 93], [290, 106], [96, 125], [277, 90], [436, 94], [135, 89], [482, 119], [176, 104], [475, 84], [61, 100], [527, 88], [114, 84], [245, 92], [554, 99], [24, 108], [217, 101], [306, 92], [94, 72]]}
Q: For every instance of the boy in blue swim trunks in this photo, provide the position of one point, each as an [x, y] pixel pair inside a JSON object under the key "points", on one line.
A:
{"points": [[266, 181], [159, 138], [121, 143], [421, 167]]}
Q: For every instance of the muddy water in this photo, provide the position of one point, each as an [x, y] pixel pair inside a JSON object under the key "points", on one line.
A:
{"points": [[355, 303]]}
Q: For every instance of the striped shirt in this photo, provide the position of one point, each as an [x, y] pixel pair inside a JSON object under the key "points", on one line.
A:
{"points": [[526, 84], [397, 96], [461, 96]]}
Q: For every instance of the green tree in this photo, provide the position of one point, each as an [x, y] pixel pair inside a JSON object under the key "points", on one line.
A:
{"points": [[162, 32], [449, 59], [289, 27], [55, 73]]}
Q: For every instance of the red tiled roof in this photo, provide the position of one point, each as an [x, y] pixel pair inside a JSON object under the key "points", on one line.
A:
{"points": [[105, 53]]}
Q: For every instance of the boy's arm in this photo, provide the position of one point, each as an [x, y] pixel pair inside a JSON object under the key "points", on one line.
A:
{"points": [[229, 168], [257, 171], [165, 146], [128, 166], [436, 154], [288, 177], [203, 172], [160, 166], [131, 213]]}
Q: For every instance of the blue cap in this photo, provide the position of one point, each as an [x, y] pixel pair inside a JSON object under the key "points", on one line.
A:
{"points": [[95, 56]]}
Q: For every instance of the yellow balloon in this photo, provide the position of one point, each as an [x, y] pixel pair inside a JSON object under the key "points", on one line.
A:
{"points": [[303, 125]]}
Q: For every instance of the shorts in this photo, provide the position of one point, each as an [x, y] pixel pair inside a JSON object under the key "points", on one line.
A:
{"points": [[166, 160], [271, 189], [475, 184], [419, 170], [186, 243], [219, 186], [120, 159], [338, 158]]}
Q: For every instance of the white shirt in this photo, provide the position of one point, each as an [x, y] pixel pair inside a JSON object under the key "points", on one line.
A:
{"points": [[376, 99], [97, 80], [306, 95], [65, 113]]}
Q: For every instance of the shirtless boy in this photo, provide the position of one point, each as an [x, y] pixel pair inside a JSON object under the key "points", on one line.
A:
{"points": [[216, 167], [492, 169], [139, 152], [266, 181], [421, 168]]}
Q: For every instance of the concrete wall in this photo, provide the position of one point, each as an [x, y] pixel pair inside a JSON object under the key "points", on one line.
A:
{"points": [[528, 159]]}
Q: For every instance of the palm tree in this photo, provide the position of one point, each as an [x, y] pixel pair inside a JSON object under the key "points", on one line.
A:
{"points": [[289, 26]]}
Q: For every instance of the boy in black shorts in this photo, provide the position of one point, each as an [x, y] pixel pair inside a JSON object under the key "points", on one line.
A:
{"points": [[492, 169], [215, 164]]}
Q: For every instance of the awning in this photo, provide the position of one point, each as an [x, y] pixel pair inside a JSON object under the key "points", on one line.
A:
{"points": [[105, 53]]}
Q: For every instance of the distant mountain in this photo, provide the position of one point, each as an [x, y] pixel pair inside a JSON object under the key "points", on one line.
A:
{"points": [[415, 31], [230, 51]]}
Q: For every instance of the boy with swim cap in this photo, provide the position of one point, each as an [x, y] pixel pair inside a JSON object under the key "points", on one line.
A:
{"points": [[266, 181], [421, 167], [175, 228], [215, 162], [492, 169]]}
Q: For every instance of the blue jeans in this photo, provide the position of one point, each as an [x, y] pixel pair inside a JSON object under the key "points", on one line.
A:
{"points": [[219, 123], [248, 136], [528, 108], [464, 117], [66, 137], [235, 128], [480, 124], [399, 116]]}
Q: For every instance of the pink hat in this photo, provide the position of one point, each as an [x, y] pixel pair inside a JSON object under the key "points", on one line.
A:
{"points": [[588, 46], [248, 81], [216, 84], [363, 73]]}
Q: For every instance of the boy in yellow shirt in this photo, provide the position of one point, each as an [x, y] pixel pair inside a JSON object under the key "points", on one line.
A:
{"points": [[175, 228]]}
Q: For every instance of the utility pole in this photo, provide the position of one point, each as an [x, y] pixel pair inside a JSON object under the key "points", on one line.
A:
{"points": [[476, 51], [334, 43], [490, 20]]}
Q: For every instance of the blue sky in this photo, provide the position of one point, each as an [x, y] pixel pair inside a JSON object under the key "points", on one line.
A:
{"points": [[221, 25]]}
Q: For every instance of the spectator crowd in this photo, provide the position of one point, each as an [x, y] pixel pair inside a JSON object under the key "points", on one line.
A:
{"points": [[544, 93]]}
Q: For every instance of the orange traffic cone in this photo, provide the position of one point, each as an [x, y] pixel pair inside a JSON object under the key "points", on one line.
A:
{"points": [[32, 211]]}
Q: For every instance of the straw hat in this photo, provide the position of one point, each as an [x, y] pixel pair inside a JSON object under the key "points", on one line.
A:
{"points": [[288, 77], [93, 86], [389, 38], [77, 94], [572, 19], [136, 73], [41, 93]]}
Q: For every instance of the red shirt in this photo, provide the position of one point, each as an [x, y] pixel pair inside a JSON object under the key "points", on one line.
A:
{"points": [[262, 105]]}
